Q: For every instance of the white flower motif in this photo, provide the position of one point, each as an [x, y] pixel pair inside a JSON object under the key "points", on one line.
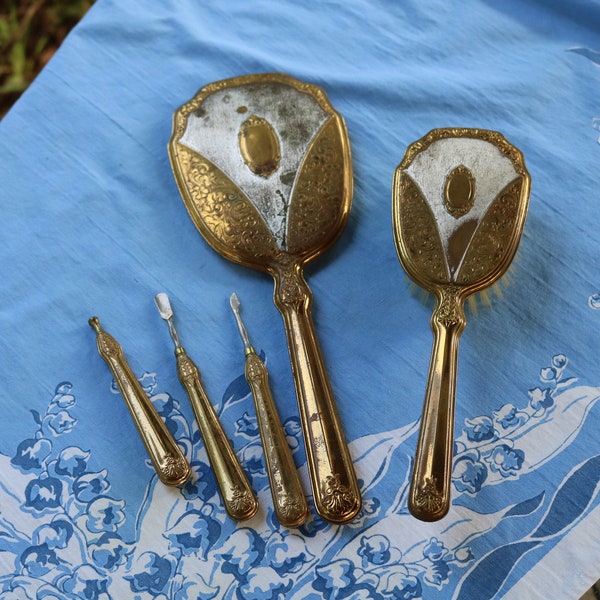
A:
{"points": [[105, 514]]}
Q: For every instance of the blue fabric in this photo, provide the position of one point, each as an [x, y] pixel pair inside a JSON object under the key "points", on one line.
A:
{"points": [[93, 224]]}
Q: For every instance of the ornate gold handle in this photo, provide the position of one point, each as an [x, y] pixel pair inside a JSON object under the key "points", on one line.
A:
{"points": [[166, 456], [334, 484], [289, 501], [429, 498], [238, 497]]}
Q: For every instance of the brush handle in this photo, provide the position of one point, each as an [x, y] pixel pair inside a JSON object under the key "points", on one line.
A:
{"points": [[335, 488], [166, 456], [238, 497], [429, 497], [289, 502]]}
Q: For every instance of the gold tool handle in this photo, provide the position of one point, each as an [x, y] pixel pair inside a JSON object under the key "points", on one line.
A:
{"points": [[334, 484], [238, 497], [429, 497], [166, 456], [290, 504]]}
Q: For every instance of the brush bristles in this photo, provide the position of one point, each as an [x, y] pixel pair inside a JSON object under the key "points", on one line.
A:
{"points": [[485, 297], [472, 305]]}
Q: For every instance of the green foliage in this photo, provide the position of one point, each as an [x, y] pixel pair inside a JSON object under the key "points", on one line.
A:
{"points": [[30, 33]]}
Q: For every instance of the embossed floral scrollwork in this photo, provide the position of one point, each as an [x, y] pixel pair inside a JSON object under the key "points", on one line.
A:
{"points": [[187, 369], [291, 289], [222, 212], [450, 312], [291, 508], [108, 346], [174, 467], [254, 368], [318, 203], [242, 500], [428, 497], [337, 498]]}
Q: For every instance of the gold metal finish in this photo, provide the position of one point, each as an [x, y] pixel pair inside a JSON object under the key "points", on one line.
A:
{"points": [[277, 224], [457, 227], [459, 192], [289, 501], [259, 146], [238, 498], [166, 456]]}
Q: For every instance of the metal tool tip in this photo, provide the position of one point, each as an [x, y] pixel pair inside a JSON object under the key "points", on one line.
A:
{"points": [[235, 307], [164, 305], [234, 301]]}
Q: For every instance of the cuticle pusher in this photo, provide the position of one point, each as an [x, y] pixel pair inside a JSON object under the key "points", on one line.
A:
{"points": [[239, 499]]}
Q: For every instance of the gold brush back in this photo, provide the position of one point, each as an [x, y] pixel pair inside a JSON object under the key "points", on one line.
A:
{"points": [[482, 249], [460, 199]]}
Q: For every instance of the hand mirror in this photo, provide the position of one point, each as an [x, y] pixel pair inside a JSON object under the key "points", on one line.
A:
{"points": [[263, 165], [460, 199]]}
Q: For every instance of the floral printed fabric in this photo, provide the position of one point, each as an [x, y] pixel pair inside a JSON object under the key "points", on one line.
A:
{"points": [[93, 224]]}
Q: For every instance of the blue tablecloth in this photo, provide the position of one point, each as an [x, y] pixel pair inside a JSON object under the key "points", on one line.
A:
{"points": [[93, 224]]}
